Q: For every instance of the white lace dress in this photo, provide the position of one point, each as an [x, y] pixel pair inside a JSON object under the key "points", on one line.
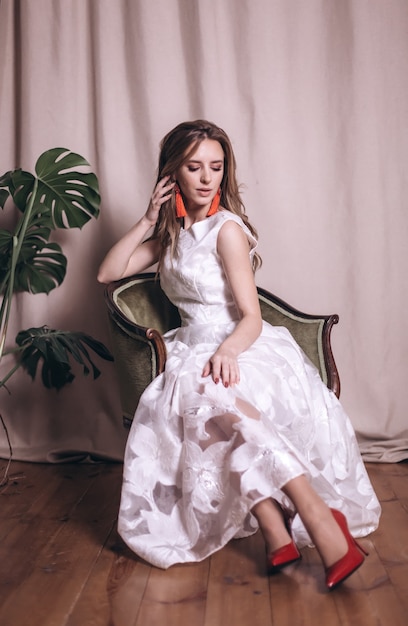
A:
{"points": [[200, 456]]}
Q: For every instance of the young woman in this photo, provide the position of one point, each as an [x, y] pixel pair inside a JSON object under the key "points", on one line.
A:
{"points": [[239, 432]]}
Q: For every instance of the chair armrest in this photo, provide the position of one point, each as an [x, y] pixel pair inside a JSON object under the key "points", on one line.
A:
{"points": [[139, 351], [132, 328]]}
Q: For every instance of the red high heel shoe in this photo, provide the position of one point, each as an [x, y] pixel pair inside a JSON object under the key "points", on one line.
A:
{"points": [[354, 557], [285, 555], [281, 557]]}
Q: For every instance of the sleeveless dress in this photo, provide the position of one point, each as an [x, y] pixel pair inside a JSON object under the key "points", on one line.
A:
{"points": [[199, 456]]}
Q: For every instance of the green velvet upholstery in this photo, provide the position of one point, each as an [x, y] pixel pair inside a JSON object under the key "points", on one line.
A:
{"points": [[140, 313]]}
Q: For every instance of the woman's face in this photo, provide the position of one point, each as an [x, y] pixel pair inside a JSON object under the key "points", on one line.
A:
{"points": [[199, 178]]}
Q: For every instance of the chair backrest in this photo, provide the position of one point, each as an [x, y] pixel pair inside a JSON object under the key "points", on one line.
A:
{"points": [[140, 313], [142, 301]]}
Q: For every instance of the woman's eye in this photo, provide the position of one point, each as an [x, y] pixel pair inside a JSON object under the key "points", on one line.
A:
{"points": [[192, 169], [217, 169]]}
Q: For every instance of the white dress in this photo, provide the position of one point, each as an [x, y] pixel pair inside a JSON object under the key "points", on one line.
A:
{"points": [[199, 456]]}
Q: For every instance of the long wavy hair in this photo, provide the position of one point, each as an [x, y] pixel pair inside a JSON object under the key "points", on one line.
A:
{"points": [[175, 149]]}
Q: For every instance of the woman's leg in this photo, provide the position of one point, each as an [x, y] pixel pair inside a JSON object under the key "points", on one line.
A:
{"points": [[318, 519], [272, 524]]}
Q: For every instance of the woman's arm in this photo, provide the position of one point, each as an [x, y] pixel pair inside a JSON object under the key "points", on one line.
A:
{"points": [[131, 254], [233, 249]]}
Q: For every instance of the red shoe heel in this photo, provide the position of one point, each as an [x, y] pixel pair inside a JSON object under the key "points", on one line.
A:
{"points": [[285, 555], [281, 557], [354, 557]]}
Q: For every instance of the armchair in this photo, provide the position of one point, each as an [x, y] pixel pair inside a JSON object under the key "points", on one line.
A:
{"points": [[140, 313]]}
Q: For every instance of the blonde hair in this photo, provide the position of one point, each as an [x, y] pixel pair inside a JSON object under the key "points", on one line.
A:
{"points": [[175, 149]]}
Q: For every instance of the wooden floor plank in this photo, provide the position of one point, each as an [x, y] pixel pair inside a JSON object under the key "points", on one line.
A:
{"points": [[360, 599], [114, 590], [238, 588], [26, 483], [399, 579], [175, 596], [392, 547], [299, 595], [61, 567], [33, 528], [383, 476]]}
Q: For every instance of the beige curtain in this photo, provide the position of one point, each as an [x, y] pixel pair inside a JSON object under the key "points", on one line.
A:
{"points": [[313, 93]]}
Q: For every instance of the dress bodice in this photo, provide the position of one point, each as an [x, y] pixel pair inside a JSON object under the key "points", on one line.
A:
{"points": [[194, 279]]}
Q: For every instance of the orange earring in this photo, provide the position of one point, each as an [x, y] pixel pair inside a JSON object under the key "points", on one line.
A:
{"points": [[215, 203], [180, 208]]}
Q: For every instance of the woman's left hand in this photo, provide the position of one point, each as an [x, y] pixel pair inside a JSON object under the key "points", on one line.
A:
{"points": [[223, 366]]}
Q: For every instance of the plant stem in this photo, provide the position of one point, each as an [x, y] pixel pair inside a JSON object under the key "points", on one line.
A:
{"points": [[17, 244], [10, 374], [5, 478]]}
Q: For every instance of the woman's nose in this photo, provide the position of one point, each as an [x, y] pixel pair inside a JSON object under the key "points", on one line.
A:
{"points": [[205, 176]]}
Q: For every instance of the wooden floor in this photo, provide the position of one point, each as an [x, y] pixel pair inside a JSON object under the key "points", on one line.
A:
{"points": [[62, 563]]}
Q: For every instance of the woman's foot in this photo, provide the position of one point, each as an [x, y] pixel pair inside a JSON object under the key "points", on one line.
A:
{"points": [[347, 564], [340, 553], [326, 535], [275, 526]]}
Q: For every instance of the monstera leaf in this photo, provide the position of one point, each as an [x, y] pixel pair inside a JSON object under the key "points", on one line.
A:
{"points": [[54, 348], [72, 197], [40, 267]]}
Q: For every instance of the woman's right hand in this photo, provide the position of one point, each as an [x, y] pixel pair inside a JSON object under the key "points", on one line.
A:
{"points": [[162, 192]]}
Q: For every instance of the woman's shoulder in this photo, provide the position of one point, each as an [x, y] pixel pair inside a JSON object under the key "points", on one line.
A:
{"points": [[224, 216]]}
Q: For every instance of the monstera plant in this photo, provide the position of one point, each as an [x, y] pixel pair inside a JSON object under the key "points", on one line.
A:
{"points": [[56, 196]]}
